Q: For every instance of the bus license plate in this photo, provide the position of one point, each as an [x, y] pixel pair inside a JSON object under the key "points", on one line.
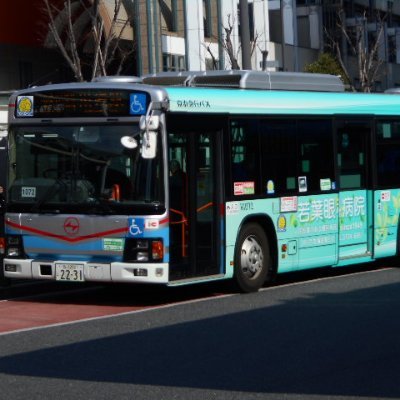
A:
{"points": [[69, 272]]}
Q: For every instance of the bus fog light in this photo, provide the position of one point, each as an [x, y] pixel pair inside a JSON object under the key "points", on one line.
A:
{"points": [[140, 272], [10, 267], [142, 256], [159, 272]]}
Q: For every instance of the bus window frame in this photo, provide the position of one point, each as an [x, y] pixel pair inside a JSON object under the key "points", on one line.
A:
{"points": [[370, 149], [261, 193], [376, 184]]}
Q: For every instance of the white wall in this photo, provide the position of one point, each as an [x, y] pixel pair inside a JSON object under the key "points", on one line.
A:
{"points": [[195, 35]]}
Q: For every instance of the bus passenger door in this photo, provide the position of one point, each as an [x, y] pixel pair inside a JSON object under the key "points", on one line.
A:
{"points": [[195, 232], [355, 201]]}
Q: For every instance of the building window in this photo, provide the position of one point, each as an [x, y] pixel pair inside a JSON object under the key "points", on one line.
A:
{"points": [[392, 50], [173, 62]]}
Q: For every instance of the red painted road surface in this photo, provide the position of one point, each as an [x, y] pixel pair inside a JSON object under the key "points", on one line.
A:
{"points": [[64, 306], [30, 313]]}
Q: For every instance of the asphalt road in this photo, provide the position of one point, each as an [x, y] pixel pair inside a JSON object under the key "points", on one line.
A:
{"points": [[332, 338]]}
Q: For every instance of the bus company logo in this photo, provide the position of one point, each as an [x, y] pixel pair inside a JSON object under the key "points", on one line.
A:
{"points": [[25, 106], [193, 104], [281, 223], [71, 226]]}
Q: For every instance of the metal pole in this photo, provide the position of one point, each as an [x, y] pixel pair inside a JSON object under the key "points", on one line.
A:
{"points": [[185, 23], [150, 50], [282, 6], [221, 53], [264, 59], [245, 34], [138, 39], [295, 36]]}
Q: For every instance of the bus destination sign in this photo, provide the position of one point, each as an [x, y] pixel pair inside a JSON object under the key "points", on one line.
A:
{"points": [[81, 103]]}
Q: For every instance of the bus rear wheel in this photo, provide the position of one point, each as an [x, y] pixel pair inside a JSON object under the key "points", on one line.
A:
{"points": [[252, 258]]}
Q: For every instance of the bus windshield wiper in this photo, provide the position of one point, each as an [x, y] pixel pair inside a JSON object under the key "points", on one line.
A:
{"points": [[48, 194], [100, 206]]}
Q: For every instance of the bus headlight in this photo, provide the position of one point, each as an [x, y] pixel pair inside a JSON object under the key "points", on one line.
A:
{"points": [[13, 252], [142, 256], [143, 250], [14, 248]]}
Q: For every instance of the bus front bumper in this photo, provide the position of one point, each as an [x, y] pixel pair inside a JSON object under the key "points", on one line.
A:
{"points": [[82, 271]]}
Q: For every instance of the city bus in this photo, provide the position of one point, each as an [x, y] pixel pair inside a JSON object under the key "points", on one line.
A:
{"points": [[4, 96], [179, 178]]}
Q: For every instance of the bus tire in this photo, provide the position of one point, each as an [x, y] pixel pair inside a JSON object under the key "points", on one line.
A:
{"points": [[252, 258], [4, 282]]}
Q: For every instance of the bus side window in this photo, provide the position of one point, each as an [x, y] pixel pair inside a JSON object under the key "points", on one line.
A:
{"points": [[245, 154], [278, 156], [351, 158], [316, 160], [388, 153]]}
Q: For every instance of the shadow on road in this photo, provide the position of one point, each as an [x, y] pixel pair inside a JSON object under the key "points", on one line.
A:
{"points": [[343, 344]]}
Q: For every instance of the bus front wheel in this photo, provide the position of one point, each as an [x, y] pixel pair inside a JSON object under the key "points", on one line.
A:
{"points": [[252, 258]]}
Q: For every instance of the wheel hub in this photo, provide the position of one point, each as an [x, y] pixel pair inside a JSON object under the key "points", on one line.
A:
{"points": [[251, 257]]}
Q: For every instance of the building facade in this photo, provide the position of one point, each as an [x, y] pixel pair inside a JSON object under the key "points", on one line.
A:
{"points": [[174, 35]]}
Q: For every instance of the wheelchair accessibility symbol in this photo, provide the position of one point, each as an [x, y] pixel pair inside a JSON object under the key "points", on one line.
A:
{"points": [[137, 104], [136, 227]]}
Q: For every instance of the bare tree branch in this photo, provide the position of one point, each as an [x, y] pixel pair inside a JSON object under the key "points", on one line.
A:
{"points": [[108, 47], [53, 29], [73, 48], [368, 61], [213, 58], [228, 45], [334, 44], [97, 51]]}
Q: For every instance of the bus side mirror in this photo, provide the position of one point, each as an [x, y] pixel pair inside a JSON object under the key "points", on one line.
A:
{"points": [[149, 125], [149, 144]]}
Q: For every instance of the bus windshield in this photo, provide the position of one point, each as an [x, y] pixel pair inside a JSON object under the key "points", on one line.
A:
{"points": [[70, 168]]}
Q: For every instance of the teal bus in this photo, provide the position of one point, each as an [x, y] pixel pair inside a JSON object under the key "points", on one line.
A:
{"points": [[177, 178]]}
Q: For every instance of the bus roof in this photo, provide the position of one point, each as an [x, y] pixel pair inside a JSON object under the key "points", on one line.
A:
{"points": [[243, 79], [197, 95]]}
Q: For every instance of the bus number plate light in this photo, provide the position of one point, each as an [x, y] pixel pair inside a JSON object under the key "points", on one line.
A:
{"points": [[140, 272]]}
